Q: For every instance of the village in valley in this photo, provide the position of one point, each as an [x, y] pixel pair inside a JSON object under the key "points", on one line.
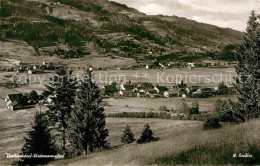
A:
{"points": [[95, 82], [17, 101]]}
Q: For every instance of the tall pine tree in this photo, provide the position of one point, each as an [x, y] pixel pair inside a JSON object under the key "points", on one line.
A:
{"points": [[62, 91], [38, 142], [87, 127], [248, 69], [128, 136], [147, 135]]}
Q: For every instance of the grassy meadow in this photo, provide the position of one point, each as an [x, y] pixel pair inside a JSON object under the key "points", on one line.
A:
{"points": [[152, 104], [199, 146]]}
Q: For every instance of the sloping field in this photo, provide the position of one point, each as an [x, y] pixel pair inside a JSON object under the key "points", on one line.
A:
{"points": [[14, 123], [244, 134]]}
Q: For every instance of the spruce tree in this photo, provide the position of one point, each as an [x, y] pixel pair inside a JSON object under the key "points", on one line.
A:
{"points": [[33, 97], [248, 69], [62, 91], [127, 136], [147, 135], [87, 127], [38, 142]]}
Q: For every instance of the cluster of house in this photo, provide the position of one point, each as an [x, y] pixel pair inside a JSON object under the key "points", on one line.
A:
{"points": [[35, 69], [32, 69], [129, 89], [190, 65], [144, 89], [169, 65]]}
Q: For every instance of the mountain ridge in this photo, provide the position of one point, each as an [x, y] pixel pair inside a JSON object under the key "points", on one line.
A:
{"points": [[73, 29]]}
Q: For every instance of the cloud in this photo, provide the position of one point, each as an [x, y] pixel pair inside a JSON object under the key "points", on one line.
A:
{"points": [[223, 13]]}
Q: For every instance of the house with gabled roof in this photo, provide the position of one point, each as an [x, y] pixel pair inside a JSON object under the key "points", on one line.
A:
{"points": [[151, 93], [141, 94], [15, 101], [161, 89]]}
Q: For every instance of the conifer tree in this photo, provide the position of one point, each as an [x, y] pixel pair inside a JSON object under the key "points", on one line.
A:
{"points": [[147, 135], [87, 127], [248, 69], [127, 136], [222, 89], [62, 91], [38, 142]]}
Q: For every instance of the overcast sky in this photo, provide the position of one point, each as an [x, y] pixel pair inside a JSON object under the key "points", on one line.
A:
{"points": [[223, 13]]}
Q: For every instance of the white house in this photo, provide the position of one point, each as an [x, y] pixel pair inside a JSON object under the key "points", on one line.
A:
{"points": [[29, 72], [147, 67], [49, 100], [183, 96], [135, 90], [157, 90], [187, 90], [140, 94], [191, 65], [197, 92], [120, 93], [215, 88], [142, 91], [34, 67], [122, 86], [17, 63], [166, 94]]}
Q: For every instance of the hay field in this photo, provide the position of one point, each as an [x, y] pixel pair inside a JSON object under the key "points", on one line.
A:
{"points": [[153, 104], [244, 134]]}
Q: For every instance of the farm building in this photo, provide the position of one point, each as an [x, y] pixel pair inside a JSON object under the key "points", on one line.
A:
{"points": [[143, 85], [126, 86], [141, 94], [35, 71], [161, 89], [15, 101], [151, 93]]}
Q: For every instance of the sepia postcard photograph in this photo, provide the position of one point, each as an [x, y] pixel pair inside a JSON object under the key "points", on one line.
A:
{"points": [[129, 82]]}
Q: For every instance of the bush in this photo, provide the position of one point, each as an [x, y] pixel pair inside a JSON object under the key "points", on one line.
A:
{"points": [[163, 108], [211, 123], [127, 136], [147, 135]]}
